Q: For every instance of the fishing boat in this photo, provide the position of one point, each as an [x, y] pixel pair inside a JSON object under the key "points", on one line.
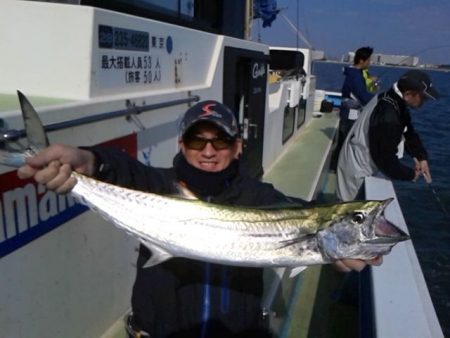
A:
{"points": [[121, 73]]}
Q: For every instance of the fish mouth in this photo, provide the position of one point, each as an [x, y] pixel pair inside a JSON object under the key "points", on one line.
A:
{"points": [[387, 233]]}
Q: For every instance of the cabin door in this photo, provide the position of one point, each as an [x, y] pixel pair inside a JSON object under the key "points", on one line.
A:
{"points": [[244, 91]]}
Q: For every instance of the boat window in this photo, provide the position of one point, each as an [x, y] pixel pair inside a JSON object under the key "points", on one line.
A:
{"points": [[216, 16], [301, 112], [287, 63], [182, 9], [288, 122], [69, 2]]}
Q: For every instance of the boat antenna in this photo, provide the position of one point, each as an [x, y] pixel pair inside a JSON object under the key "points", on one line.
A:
{"points": [[259, 31], [297, 61], [296, 35], [299, 34]]}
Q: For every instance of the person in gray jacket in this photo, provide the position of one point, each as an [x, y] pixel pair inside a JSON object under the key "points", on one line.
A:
{"points": [[377, 140]]}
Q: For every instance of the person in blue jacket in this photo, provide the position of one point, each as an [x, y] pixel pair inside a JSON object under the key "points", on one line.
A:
{"points": [[355, 95]]}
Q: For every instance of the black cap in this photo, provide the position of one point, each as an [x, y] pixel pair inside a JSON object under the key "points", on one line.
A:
{"points": [[419, 81], [210, 111]]}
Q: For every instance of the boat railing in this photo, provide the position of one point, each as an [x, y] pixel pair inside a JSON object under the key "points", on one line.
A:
{"points": [[402, 305], [131, 110]]}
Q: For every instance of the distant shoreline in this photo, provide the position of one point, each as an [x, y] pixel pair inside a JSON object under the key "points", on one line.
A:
{"points": [[436, 68]]}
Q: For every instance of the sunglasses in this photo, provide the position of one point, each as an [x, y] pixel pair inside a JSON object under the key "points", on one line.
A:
{"points": [[198, 143]]}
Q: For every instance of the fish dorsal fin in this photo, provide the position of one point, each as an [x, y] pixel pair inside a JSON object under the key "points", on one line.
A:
{"points": [[184, 192], [159, 255]]}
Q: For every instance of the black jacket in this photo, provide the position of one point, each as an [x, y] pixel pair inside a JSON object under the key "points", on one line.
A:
{"points": [[169, 299], [390, 121]]}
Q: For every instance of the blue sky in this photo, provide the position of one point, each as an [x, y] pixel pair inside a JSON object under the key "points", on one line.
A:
{"points": [[402, 27]]}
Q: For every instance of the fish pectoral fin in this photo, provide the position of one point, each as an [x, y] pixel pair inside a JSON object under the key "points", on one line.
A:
{"points": [[184, 193], [296, 271], [159, 255], [297, 240]]}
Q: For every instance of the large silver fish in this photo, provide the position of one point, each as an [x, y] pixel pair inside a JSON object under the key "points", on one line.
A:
{"points": [[178, 227]]}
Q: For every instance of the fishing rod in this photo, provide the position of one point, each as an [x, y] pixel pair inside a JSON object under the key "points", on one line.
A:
{"points": [[436, 197], [433, 191], [439, 201]]}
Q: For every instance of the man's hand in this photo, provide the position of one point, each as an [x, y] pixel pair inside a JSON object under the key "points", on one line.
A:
{"points": [[347, 265], [53, 166], [422, 169]]}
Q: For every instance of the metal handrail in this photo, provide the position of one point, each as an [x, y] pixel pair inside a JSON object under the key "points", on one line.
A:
{"points": [[14, 134]]}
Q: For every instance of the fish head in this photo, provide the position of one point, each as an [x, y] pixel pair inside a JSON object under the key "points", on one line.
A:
{"points": [[359, 230]]}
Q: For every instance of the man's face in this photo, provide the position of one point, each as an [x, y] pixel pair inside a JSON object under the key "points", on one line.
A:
{"points": [[414, 99], [209, 158], [366, 64]]}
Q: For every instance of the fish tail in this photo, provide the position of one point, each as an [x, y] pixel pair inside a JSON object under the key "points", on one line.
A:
{"points": [[12, 159], [34, 130], [13, 153]]}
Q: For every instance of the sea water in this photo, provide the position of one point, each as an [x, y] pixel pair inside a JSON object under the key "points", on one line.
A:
{"points": [[425, 207]]}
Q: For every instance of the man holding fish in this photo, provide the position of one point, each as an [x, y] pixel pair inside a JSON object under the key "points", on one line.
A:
{"points": [[182, 297]]}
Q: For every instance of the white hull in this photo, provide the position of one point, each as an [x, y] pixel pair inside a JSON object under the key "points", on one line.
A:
{"points": [[75, 280]]}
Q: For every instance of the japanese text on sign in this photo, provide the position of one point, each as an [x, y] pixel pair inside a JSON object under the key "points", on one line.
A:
{"points": [[138, 69]]}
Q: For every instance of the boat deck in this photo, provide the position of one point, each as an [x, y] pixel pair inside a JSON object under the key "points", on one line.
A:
{"points": [[308, 305], [299, 172]]}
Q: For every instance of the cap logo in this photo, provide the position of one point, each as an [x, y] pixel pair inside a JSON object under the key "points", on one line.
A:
{"points": [[208, 112]]}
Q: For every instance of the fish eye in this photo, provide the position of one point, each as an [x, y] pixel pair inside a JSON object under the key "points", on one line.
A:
{"points": [[358, 217]]}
